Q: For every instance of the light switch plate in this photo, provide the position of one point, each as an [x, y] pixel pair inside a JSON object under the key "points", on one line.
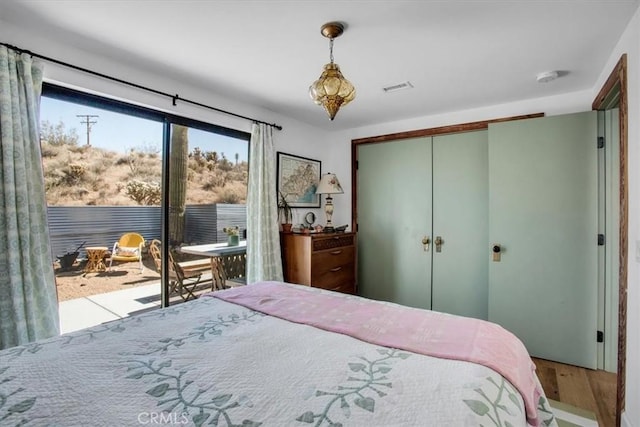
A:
{"points": [[637, 250]]}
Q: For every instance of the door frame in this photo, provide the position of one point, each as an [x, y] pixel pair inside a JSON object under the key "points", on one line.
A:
{"points": [[616, 85]]}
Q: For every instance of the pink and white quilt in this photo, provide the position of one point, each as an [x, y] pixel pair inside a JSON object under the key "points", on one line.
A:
{"points": [[216, 362]]}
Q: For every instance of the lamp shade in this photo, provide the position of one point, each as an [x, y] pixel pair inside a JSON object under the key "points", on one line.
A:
{"points": [[329, 184]]}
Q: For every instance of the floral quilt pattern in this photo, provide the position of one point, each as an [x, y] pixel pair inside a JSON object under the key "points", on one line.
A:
{"points": [[210, 362]]}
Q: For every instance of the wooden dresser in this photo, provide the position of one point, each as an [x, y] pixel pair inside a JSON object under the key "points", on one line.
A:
{"points": [[323, 260]]}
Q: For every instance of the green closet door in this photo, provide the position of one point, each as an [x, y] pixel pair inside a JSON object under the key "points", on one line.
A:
{"points": [[460, 217], [543, 211], [394, 214]]}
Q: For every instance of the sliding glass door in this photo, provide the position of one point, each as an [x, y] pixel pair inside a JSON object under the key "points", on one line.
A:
{"points": [[206, 197], [117, 175]]}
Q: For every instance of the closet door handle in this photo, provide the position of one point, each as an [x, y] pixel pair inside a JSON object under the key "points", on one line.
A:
{"points": [[425, 243], [439, 241]]}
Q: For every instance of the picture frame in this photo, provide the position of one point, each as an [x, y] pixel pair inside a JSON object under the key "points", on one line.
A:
{"points": [[297, 179]]}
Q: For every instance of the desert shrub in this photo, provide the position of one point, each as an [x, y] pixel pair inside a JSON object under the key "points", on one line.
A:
{"points": [[148, 148], [238, 175], [211, 156], [99, 166], [53, 173], [49, 151], [74, 174], [225, 165], [78, 148], [51, 182], [228, 195], [132, 159], [197, 166], [109, 155], [233, 192], [144, 193], [122, 160], [215, 180], [145, 169], [57, 135], [196, 154]]}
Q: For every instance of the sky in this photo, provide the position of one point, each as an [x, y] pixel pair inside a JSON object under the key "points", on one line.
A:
{"points": [[121, 133]]}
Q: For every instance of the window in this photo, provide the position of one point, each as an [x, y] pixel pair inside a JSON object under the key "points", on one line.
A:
{"points": [[112, 168]]}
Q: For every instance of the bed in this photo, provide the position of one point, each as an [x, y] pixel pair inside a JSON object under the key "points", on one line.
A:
{"points": [[232, 358]]}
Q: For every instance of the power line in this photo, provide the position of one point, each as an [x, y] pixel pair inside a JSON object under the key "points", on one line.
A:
{"points": [[87, 121]]}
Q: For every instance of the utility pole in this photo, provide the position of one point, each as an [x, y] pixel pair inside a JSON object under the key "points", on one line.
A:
{"points": [[87, 121]]}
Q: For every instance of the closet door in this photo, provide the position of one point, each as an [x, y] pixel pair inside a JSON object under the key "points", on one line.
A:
{"points": [[394, 215], [543, 212], [460, 218]]}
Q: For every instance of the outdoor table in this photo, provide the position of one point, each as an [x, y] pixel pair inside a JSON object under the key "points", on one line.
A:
{"points": [[222, 253], [215, 249], [95, 259]]}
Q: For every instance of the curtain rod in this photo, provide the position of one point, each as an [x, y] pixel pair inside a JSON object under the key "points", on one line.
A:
{"points": [[174, 98]]}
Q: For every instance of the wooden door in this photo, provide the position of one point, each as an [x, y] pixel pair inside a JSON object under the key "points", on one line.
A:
{"points": [[543, 212]]}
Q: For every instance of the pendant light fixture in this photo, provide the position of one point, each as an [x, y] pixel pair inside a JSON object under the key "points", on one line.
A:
{"points": [[332, 90]]}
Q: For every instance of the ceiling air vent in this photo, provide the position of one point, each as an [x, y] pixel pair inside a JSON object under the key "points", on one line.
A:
{"points": [[399, 86]]}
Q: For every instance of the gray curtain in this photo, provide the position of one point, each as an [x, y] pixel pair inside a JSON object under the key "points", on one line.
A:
{"points": [[263, 236], [28, 300]]}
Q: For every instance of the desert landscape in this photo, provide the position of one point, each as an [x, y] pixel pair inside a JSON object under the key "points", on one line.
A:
{"points": [[82, 175]]}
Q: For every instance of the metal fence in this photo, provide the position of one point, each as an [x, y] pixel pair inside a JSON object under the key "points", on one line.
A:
{"points": [[70, 226]]}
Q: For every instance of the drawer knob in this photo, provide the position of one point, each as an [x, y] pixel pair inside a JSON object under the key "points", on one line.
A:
{"points": [[335, 269], [338, 252]]}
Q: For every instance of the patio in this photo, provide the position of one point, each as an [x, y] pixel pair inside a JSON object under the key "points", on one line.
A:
{"points": [[92, 310], [79, 313], [89, 299]]}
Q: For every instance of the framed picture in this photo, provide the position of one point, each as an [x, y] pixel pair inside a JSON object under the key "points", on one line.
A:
{"points": [[298, 179]]}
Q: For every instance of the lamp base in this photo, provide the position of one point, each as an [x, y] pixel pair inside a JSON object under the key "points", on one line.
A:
{"points": [[328, 229]]}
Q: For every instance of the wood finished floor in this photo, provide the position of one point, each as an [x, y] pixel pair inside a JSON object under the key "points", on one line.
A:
{"points": [[594, 391]]}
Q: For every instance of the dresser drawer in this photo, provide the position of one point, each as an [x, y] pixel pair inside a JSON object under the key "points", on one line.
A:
{"points": [[325, 260], [332, 242], [322, 260], [329, 278], [346, 288]]}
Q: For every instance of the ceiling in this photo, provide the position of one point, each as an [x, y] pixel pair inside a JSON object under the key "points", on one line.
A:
{"points": [[457, 54]]}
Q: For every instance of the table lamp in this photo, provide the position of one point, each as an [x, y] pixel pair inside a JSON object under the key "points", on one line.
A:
{"points": [[329, 185]]}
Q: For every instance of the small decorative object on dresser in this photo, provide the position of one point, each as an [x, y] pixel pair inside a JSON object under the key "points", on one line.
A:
{"points": [[323, 260], [284, 212]]}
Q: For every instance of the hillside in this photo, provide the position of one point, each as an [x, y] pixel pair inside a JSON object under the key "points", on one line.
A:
{"points": [[80, 175]]}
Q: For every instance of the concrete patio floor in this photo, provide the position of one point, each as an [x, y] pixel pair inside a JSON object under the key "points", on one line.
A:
{"points": [[80, 313], [89, 311]]}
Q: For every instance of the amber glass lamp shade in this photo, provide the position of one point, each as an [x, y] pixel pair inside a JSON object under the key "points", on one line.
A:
{"points": [[332, 90]]}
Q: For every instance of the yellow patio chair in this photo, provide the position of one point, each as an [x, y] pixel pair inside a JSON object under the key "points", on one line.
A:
{"points": [[128, 249]]}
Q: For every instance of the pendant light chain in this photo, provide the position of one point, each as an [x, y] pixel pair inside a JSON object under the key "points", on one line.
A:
{"points": [[331, 49]]}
